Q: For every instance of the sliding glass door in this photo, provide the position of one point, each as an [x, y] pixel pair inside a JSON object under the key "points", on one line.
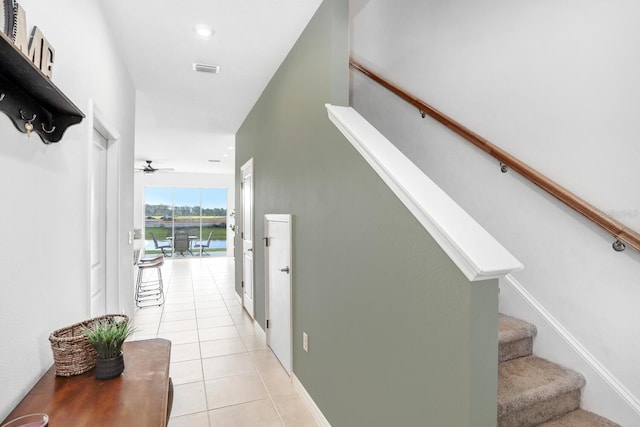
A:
{"points": [[158, 211], [214, 219], [187, 208], [198, 212]]}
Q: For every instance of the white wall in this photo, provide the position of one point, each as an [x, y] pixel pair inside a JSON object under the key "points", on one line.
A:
{"points": [[555, 84], [45, 196], [185, 180]]}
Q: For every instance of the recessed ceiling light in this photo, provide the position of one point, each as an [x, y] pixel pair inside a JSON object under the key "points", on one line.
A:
{"points": [[230, 147], [203, 30]]}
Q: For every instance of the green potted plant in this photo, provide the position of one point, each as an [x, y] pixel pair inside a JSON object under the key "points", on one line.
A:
{"points": [[106, 336]]}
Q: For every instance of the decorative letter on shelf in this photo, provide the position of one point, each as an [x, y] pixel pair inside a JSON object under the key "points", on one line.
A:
{"points": [[27, 95]]}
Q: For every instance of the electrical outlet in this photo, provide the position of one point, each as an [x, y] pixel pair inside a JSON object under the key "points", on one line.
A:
{"points": [[305, 341]]}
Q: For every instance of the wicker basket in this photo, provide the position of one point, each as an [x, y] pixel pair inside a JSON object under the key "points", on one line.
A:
{"points": [[72, 353]]}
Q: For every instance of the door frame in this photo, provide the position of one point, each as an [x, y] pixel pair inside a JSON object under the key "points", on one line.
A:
{"points": [[98, 225], [288, 218], [113, 288], [248, 166]]}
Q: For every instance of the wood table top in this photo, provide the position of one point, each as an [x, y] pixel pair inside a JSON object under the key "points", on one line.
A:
{"points": [[138, 397]]}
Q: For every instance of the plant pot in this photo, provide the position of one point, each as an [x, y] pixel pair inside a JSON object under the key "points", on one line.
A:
{"points": [[109, 368]]}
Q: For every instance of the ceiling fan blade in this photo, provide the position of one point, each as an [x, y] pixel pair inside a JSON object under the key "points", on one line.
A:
{"points": [[150, 170]]}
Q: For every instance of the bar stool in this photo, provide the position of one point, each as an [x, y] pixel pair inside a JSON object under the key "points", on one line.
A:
{"points": [[149, 292]]}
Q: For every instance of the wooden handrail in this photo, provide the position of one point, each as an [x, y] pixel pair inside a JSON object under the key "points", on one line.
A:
{"points": [[619, 231]]}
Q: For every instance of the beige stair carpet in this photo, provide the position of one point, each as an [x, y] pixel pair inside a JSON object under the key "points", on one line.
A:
{"points": [[580, 418], [532, 390], [515, 337]]}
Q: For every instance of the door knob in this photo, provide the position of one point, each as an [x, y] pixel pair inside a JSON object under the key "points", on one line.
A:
{"points": [[285, 270]]}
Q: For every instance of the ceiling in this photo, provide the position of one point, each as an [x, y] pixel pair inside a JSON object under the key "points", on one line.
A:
{"points": [[184, 118]]}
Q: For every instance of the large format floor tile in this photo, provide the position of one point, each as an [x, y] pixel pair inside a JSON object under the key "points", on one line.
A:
{"points": [[225, 366], [201, 419], [188, 399], [236, 389], [222, 347], [258, 413], [223, 372]]}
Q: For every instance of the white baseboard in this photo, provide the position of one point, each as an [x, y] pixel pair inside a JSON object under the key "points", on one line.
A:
{"points": [[590, 361], [309, 403], [259, 331], [297, 385]]}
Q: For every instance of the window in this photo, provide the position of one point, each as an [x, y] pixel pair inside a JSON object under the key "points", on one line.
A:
{"points": [[195, 211]]}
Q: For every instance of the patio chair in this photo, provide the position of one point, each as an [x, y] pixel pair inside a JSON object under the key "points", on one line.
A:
{"points": [[181, 243], [161, 246], [201, 244]]}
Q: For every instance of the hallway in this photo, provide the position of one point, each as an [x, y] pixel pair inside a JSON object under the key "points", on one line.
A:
{"points": [[223, 372]]}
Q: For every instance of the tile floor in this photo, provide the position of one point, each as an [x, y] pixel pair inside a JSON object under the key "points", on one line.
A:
{"points": [[222, 371]]}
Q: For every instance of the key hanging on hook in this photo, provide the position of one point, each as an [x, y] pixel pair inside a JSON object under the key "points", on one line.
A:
{"points": [[28, 126]]}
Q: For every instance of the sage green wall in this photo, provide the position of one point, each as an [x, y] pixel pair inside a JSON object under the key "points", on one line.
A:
{"points": [[397, 335]]}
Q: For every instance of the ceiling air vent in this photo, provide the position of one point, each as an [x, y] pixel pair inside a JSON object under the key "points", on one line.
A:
{"points": [[206, 68]]}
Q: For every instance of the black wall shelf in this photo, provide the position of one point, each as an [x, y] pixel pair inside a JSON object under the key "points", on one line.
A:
{"points": [[28, 97]]}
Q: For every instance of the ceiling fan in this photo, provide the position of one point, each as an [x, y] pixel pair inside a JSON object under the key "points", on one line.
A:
{"points": [[150, 170]]}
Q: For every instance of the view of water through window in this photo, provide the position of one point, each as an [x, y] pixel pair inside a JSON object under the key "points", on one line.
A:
{"points": [[199, 213]]}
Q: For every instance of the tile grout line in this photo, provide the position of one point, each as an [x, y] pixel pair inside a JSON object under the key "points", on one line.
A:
{"points": [[264, 383], [204, 384]]}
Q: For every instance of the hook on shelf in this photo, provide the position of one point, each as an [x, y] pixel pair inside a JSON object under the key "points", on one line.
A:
{"points": [[25, 119], [28, 126], [504, 168], [423, 114], [53, 128], [618, 246]]}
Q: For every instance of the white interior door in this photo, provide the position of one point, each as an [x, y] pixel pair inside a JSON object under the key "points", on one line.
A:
{"points": [[278, 287], [247, 236], [98, 225]]}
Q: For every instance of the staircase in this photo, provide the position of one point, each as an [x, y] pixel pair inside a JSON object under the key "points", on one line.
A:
{"points": [[533, 391]]}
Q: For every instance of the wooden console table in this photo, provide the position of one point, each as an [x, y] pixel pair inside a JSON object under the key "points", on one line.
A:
{"points": [[141, 396]]}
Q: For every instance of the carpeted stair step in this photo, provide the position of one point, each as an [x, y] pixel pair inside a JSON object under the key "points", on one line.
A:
{"points": [[580, 418], [532, 390], [515, 337]]}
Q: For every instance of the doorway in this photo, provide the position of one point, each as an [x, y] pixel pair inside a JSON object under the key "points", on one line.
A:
{"points": [[107, 292], [277, 229], [246, 234]]}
